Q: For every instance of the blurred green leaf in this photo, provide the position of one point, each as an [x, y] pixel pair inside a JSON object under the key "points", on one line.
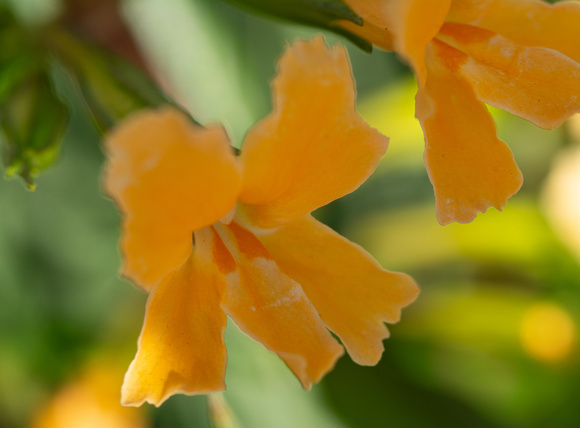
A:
{"points": [[14, 69], [33, 120], [317, 13], [381, 397], [263, 393], [18, 57], [111, 87]]}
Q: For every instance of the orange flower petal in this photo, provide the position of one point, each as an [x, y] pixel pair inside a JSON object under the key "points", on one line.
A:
{"points": [[406, 26], [470, 168], [314, 147], [352, 293], [525, 22], [169, 178], [272, 308], [374, 28], [413, 24], [538, 84], [181, 348]]}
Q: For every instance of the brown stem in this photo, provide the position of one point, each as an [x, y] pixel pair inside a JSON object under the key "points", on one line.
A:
{"points": [[101, 22]]}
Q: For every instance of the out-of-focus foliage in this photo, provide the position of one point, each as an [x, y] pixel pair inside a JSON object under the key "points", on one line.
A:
{"points": [[478, 349], [33, 122], [111, 88], [34, 59], [317, 13], [32, 117]]}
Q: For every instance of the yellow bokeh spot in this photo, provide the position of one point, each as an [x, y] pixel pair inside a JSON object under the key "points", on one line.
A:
{"points": [[547, 332], [92, 400], [561, 197]]}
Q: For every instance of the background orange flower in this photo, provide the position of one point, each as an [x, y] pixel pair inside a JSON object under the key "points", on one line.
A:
{"points": [[466, 53]]}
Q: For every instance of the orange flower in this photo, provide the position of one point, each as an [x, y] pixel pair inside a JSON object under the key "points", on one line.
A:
{"points": [[212, 234], [519, 55]]}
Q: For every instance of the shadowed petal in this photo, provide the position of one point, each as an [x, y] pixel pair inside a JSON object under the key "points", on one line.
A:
{"points": [[410, 24], [271, 307], [469, 167], [169, 178], [181, 347], [538, 84], [375, 25], [314, 147], [414, 23], [525, 22], [352, 293]]}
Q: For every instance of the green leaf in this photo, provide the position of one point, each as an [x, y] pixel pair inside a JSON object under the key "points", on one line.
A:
{"points": [[263, 393], [318, 13], [19, 58], [111, 87], [14, 70], [33, 120]]}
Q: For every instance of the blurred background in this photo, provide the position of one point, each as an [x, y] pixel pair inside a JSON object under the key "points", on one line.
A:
{"points": [[491, 342]]}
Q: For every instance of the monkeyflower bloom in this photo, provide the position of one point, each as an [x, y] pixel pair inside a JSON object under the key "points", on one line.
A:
{"points": [[211, 234], [519, 55]]}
